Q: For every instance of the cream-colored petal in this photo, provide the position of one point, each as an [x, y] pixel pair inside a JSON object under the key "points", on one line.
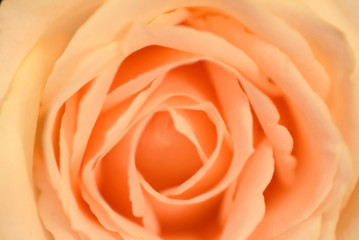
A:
{"points": [[18, 120], [332, 206], [349, 8], [349, 219], [332, 48], [346, 92], [308, 229], [53, 215], [35, 19]]}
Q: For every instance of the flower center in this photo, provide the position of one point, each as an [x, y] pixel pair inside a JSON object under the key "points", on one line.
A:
{"points": [[165, 157]]}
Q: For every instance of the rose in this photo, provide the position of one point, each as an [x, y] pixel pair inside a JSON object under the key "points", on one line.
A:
{"points": [[283, 159], [19, 135]]}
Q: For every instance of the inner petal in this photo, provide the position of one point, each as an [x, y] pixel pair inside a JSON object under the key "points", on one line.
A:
{"points": [[165, 157], [197, 127]]}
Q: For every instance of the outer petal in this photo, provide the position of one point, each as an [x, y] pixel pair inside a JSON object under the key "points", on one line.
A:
{"points": [[26, 63], [21, 24], [18, 119], [343, 14]]}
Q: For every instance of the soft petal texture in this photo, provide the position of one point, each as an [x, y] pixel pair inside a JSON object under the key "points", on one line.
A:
{"points": [[34, 57], [349, 9], [248, 207], [36, 17], [18, 119], [340, 14]]}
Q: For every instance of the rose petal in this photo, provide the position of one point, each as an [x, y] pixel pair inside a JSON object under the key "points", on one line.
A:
{"points": [[106, 189], [52, 215], [214, 24], [91, 100], [348, 7], [197, 126], [139, 69], [336, 57], [193, 41], [247, 207], [18, 117], [65, 180], [278, 135], [13, 48], [171, 18], [303, 100], [308, 229], [269, 27], [349, 220], [214, 167]]}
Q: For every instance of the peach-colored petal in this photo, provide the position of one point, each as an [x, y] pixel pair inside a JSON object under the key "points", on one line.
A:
{"points": [[117, 125], [316, 125], [51, 109], [112, 126], [189, 81], [116, 16], [246, 206], [90, 104], [105, 187], [121, 118], [80, 73], [52, 215], [214, 24], [172, 212], [140, 205], [90, 164], [214, 167], [339, 15], [170, 19], [347, 89], [132, 76], [193, 41], [337, 58], [345, 112], [122, 163], [236, 114], [136, 199], [268, 26], [232, 95], [196, 126], [278, 135], [62, 179]]}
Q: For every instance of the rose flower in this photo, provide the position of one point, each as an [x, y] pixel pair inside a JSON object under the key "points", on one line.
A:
{"points": [[178, 119]]}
